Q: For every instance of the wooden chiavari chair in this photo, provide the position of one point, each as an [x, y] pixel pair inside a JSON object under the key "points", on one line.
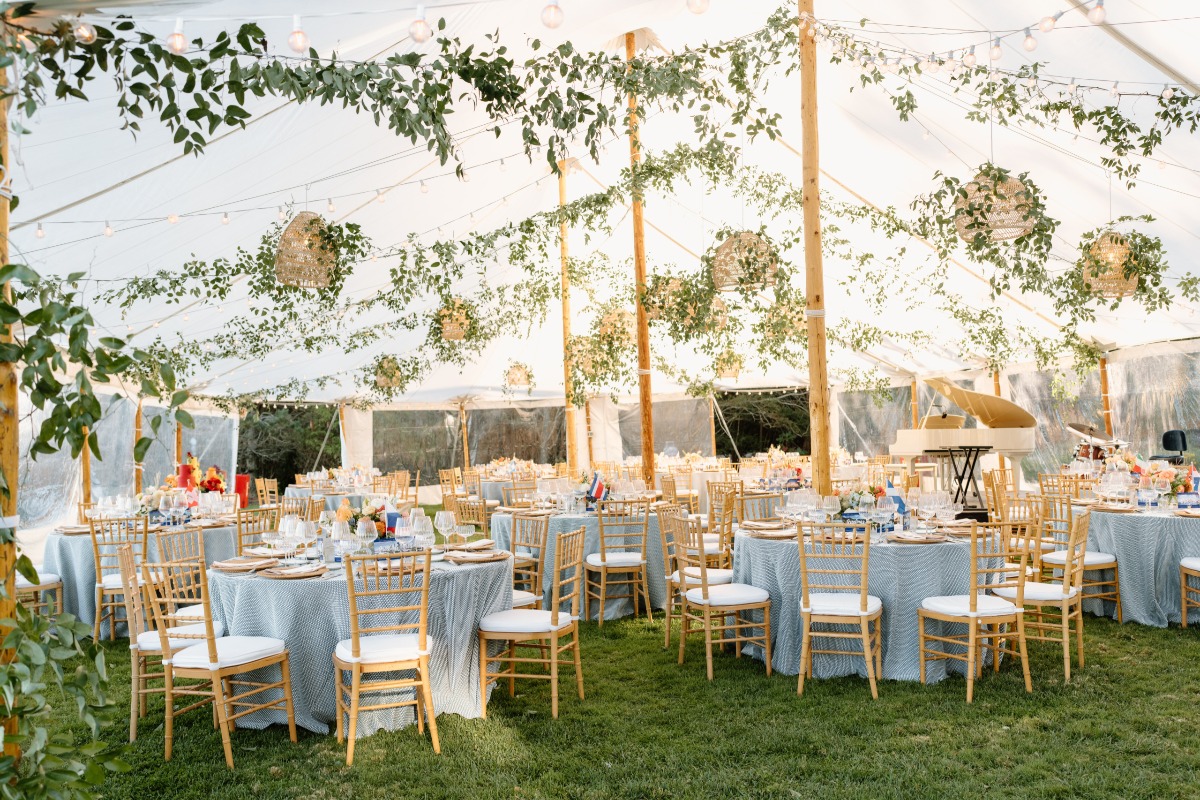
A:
{"points": [[474, 512], [669, 520], [717, 490], [1055, 610], [538, 629], [621, 561], [300, 479], [1189, 593], [252, 523], [529, 534], [81, 512], [33, 595], [1093, 583], [316, 505], [1056, 519], [216, 664], [1053, 483], [760, 507], [671, 493], [107, 536], [293, 505], [993, 495], [992, 621], [391, 638], [517, 498], [721, 612], [383, 484], [271, 487], [833, 591]]}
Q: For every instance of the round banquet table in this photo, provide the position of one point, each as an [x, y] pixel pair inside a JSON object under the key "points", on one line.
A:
{"points": [[332, 499], [494, 490], [901, 575], [1148, 547], [501, 533], [71, 557], [700, 480], [313, 615]]}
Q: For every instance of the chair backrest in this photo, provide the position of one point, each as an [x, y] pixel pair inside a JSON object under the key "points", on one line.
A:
{"points": [[260, 490], [184, 545], [1000, 553], [525, 485], [752, 468], [300, 479], [1056, 520], [568, 573], [529, 534], [623, 525], [691, 558], [670, 494], [669, 516], [271, 487], [135, 610], [81, 512], [718, 490], [1076, 551], [473, 512], [252, 523], [517, 498], [382, 484], [1052, 483], [722, 511], [401, 480], [992, 495], [316, 505], [1174, 441], [171, 586], [833, 560], [682, 473], [109, 534], [471, 481], [388, 595], [761, 506], [448, 480], [293, 505]]}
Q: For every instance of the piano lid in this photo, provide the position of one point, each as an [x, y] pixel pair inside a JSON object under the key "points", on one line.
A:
{"points": [[995, 412]]}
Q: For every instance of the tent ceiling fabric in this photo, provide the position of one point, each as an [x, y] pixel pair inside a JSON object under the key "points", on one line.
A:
{"points": [[303, 156]]}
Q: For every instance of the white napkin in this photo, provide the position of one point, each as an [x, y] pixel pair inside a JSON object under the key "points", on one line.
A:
{"points": [[764, 525], [468, 555], [297, 570], [234, 564], [482, 544], [911, 537]]}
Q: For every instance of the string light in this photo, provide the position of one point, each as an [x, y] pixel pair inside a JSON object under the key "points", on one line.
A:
{"points": [[85, 32], [424, 188], [330, 207], [1097, 14], [1031, 82], [1030, 43], [172, 218], [996, 49], [969, 60], [419, 30], [1167, 92], [298, 39], [1072, 87], [697, 6], [552, 15], [466, 176], [177, 43], [503, 166], [39, 233], [932, 64], [380, 196], [108, 231], [1047, 24], [1113, 91], [225, 218], [282, 214]]}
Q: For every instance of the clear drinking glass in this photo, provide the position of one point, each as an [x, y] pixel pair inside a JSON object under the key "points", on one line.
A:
{"points": [[831, 506], [444, 521]]}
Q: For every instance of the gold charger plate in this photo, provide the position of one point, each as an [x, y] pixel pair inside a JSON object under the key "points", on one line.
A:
{"points": [[482, 558], [283, 575], [1114, 510], [1188, 513], [779, 536], [244, 564], [935, 539]]}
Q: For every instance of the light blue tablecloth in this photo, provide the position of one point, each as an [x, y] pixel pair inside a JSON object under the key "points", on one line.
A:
{"points": [[501, 532], [332, 501], [71, 557], [494, 490], [1148, 548], [901, 575], [313, 615]]}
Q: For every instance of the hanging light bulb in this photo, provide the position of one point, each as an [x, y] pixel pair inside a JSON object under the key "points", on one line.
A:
{"points": [[1167, 92], [1097, 14], [1047, 24], [1072, 87], [419, 30], [298, 39], [925, 135], [85, 32], [380, 196], [969, 60], [503, 166], [108, 231], [996, 49], [225, 218], [424, 188], [1114, 91], [282, 214], [39, 233], [892, 65], [330, 207], [1031, 82], [177, 43], [466, 176], [172, 218], [697, 6], [1030, 43], [552, 15]]}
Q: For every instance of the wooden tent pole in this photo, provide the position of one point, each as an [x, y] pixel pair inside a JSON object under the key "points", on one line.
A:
{"points": [[178, 444], [1106, 408], [462, 421], [916, 410], [587, 414], [137, 434], [996, 389], [818, 373], [10, 455], [712, 423], [639, 267], [572, 438], [85, 463]]}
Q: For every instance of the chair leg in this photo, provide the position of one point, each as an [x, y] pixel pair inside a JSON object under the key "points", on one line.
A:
{"points": [[603, 595], [428, 699], [767, 637], [340, 703], [578, 662], [921, 644], [512, 669], [286, 670], [99, 615], [683, 630], [1117, 591], [671, 592], [169, 713], [1183, 597], [1066, 645], [483, 677], [805, 645], [972, 651], [1079, 631], [869, 658], [352, 732], [1024, 653], [554, 675], [135, 685], [644, 580], [218, 688], [708, 654]]}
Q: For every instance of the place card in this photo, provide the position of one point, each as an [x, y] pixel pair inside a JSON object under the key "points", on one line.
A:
{"points": [[1188, 499]]}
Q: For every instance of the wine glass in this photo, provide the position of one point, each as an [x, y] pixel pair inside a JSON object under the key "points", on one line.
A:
{"points": [[366, 534], [1162, 488], [179, 509], [444, 521], [831, 506]]}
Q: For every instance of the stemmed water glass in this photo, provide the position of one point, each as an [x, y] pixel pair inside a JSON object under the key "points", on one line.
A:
{"points": [[1162, 488], [831, 506], [179, 509], [445, 521]]}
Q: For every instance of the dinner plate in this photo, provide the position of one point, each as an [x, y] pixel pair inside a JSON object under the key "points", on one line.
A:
{"points": [[285, 573], [244, 564], [904, 539]]}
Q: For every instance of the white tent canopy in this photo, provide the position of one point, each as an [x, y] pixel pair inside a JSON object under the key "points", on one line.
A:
{"points": [[77, 171]]}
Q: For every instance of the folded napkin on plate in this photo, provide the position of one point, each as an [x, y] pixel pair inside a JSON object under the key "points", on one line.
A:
{"points": [[911, 537], [509, 509], [482, 544], [298, 570], [474, 555], [75, 529], [238, 563], [764, 525], [261, 551]]}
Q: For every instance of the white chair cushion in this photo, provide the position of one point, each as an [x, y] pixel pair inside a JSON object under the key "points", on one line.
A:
{"points": [[843, 604], [522, 598], [730, 594], [1036, 592], [1045, 547], [616, 560], [959, 605], [1190, 562], [523, 620], [1090, 559], [716, 577], [112, 583], [231, 651], [382, 648], [702, 517], [46, 579], [191, 611], [149, 641], [490, 503]]}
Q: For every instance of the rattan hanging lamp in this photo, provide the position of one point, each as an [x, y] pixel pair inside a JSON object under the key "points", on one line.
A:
{"points": [[303, 259]]}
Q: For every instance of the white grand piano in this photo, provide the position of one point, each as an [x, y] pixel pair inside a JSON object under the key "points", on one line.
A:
{"points": [[1010, 432]]}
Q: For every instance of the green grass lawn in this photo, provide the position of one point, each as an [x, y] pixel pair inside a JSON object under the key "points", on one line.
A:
{"points": [[1125, 727]]}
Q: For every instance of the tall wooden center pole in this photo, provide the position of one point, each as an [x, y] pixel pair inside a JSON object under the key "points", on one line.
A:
{"points": [[137, 434], [818, 372], [1105, 407], [572, 443], [639, 271], [85, 465], [916, 410], [996, 389], [9, 440], [462, 421], [178, 444]]}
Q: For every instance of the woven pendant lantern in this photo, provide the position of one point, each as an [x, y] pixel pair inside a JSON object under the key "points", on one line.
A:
{"points": [[1105, 270], [302, 258], [387, 373], [453, 319], [621, 325], [720, 314], [728, 365], [744, 259], [517, 376], [1000, 214]]}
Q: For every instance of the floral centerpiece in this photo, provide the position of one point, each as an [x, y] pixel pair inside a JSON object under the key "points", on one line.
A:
{"points": [[1181, 478], [369, 511], [213, 481], [852, 498]]}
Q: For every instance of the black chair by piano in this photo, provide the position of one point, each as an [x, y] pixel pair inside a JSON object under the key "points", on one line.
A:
{"points": [[1175, 442]]}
